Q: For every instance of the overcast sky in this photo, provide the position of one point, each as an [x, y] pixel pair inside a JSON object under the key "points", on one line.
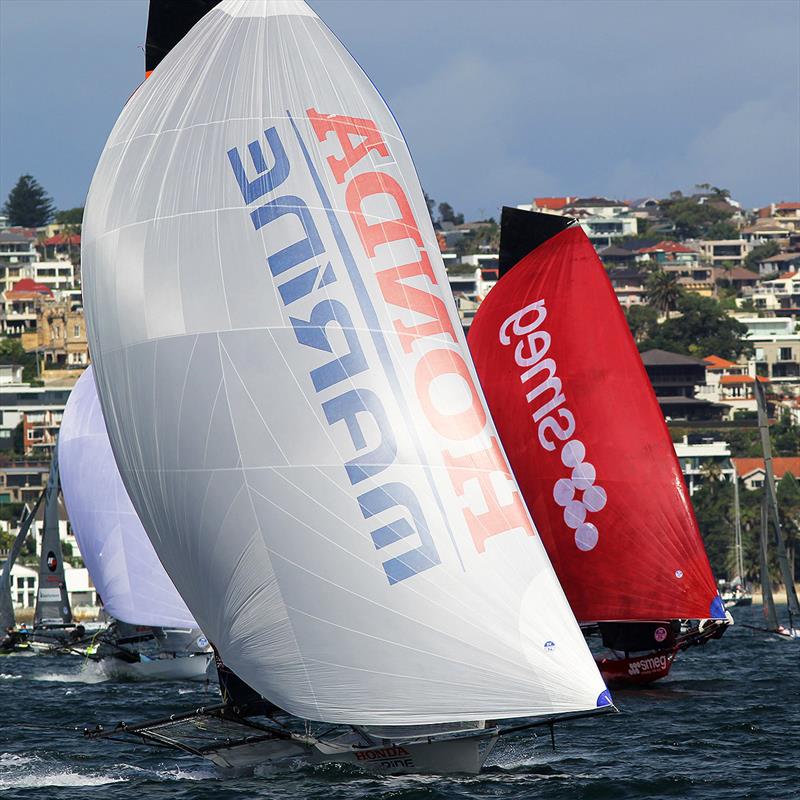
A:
{"points": [[500, 101]]}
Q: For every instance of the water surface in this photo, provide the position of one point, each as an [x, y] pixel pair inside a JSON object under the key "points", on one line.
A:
{"points": [[725, 725]]}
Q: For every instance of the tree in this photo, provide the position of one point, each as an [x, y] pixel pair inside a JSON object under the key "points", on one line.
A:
{"points": [[759, 253], [28, 204], [789, 510], [447, 214], [691, 219], [642, 321], [722, 229], [74, 216], [785, 436], [11, 352], [663, 291], [713, 507], [703, 329]]}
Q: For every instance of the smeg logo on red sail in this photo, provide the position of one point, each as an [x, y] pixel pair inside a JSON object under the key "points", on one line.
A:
{"points": [[578, 495]]}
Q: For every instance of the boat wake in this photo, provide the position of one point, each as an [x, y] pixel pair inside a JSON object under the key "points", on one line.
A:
{"points": [[25, 770], [22, 771], [90, 672]]}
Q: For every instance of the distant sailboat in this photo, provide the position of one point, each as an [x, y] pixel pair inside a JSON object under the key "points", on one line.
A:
{"points": [[770, 518], [589, 446], [53, 611], [154, 636], [736, 593], [292, 407], [14, 641]]}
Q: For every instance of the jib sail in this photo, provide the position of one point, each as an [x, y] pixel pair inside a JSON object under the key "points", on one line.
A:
{"points": [[584, 433], [121, 561]]}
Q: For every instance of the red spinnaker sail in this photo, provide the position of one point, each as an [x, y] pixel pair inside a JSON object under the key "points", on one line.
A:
{"points": [[586, 438]]}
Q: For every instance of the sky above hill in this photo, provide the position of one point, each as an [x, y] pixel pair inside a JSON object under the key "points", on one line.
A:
{"points": [[500, 101]]}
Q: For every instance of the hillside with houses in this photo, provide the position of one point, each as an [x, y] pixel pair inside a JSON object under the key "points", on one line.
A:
{"points": [[710, 289]]}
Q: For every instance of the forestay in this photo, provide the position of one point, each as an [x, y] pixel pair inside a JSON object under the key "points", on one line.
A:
{"points": [[289, 397], [121, 561]]}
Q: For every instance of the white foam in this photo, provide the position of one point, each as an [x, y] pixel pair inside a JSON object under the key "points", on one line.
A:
{"points": [[7, 676], [90, 672], [15, 759], [39, 778]]}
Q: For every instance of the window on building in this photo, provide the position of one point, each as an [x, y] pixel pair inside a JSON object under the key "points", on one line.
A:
{"points": [[76, 330], [31, 582], [20, 583], [786, 354], [758, 484], [21, 598]]}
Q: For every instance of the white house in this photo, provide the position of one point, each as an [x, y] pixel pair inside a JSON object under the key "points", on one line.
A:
{"points": [[700, 456]]}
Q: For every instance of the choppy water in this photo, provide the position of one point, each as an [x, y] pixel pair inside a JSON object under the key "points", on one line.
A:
{"points": [[725, 724]]}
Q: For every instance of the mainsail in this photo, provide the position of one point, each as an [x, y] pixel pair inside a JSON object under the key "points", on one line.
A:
{"points": [[584, 433], [7, 618], [52, 600], [120, 559], [290, 400]]}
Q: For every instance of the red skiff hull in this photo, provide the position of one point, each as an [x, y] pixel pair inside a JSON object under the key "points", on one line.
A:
{"points": [[635, 671]]}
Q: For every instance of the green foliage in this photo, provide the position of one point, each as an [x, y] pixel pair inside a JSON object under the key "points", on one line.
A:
{"points": [[28, 204], [785, 437], [714, 507], [693, 220], [6, 541], [745, 442], [759, 253], [10, 511], [71, 216], [726, 296], [447, 214], [11, 352], [703, 329], [722, 230], [642, 320], [663, 291], [789, 511]]}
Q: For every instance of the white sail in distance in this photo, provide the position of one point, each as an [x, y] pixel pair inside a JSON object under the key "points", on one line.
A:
{"points": [[289, 396], [121, 561]]}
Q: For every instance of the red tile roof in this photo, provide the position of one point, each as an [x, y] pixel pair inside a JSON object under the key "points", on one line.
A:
{"points": [[787, 206], [715, 362], [667, 247], [786, 276], [59, 238], [728, 380], [780, 466], [553, 203], [29, 286]]}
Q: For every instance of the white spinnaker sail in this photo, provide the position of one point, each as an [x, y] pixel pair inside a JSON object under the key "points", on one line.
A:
{"points": [[121, 561], [289, 396]]}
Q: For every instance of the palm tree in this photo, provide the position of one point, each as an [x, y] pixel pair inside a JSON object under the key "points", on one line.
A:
{"points": [[663, 291]]}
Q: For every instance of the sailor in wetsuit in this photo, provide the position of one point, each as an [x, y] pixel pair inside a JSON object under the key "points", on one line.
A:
{"points": [[11, 640], [235, 692]]}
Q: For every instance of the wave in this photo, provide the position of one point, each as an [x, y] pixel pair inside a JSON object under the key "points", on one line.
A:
{"points": [[90, 672], [65, 777]]}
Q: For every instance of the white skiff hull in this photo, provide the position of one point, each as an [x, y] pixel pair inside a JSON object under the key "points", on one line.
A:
{"points": [[461, 755], [465, 755], [186, 668]]}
